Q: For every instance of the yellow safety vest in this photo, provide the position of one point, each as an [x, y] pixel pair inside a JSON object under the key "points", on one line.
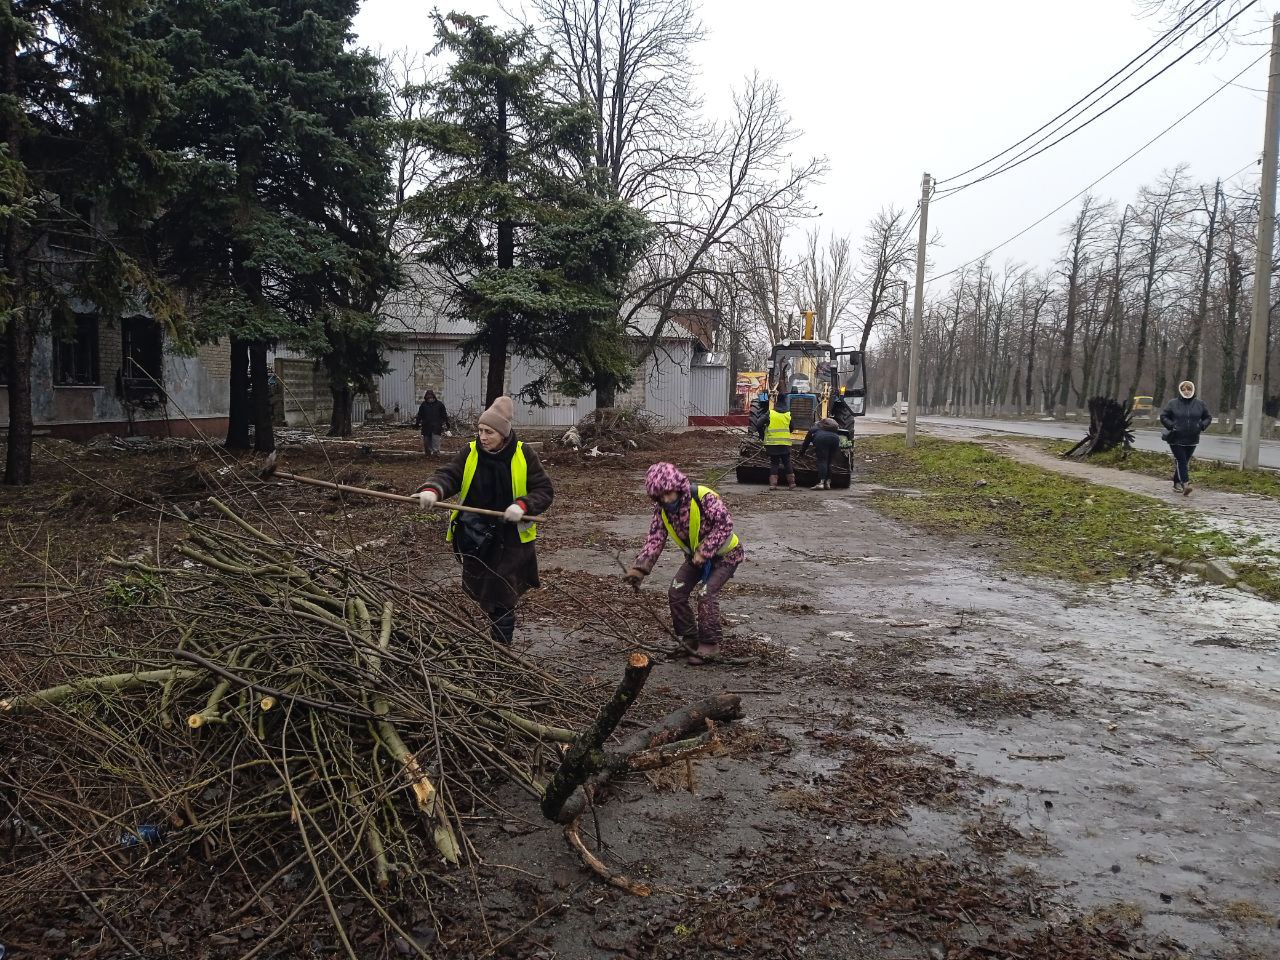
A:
{"points": [[779, 432], [695, 526], [519, 487]]}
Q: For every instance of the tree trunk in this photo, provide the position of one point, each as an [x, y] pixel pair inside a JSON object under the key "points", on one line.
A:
{"points": [[606, 391], [1235, 281], [20, 331], [1162, 367], [1194, 373], [238, 408], [581, 760], [500, 326], [340, 419], [20, 340], [263, 432]]}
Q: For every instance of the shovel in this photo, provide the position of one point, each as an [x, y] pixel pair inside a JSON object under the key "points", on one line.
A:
{"points": [[269, 470]]}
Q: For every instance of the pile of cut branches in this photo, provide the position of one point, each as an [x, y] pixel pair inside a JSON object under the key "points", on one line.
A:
{"points": [[264, 703], [616, 430]]}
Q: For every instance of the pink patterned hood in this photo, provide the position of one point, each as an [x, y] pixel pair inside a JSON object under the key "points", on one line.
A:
{"points": [[664, 477]]}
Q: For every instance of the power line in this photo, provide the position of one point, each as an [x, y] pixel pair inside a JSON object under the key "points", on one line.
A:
{"points": [[1177, 26], [1090, 186], [1016, 162]]}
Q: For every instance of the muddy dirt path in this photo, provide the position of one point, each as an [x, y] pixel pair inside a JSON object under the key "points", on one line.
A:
{"points": [[923, 723]]}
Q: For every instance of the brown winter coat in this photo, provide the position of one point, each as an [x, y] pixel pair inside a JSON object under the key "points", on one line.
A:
{"points": [[498, 583]]}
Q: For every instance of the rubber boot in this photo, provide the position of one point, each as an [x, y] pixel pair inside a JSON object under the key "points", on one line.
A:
{"points": [[502, 627], [791, 480]]}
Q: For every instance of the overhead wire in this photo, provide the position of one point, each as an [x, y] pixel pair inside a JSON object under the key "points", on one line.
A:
{"points": [[1023, 157], [1158, 42], [1104, 176]]}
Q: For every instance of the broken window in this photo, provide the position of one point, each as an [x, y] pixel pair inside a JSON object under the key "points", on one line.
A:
{"points": [[142, 354], [75, 353]]}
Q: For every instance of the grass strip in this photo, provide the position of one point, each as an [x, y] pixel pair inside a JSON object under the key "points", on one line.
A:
{"points": [[1050, 524]]}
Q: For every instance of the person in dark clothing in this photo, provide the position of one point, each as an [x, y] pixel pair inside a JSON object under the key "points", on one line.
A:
{"points": [[824, 437], [432, 420], [497, 472], [1184, 418], [774, 428]]}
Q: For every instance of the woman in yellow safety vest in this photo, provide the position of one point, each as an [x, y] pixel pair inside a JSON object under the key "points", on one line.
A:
{"points": [[699, 522], [774, 427], [497, 472]]}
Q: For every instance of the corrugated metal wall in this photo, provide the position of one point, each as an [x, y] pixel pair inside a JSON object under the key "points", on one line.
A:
{"points": [[709, 391], [666, 391]]}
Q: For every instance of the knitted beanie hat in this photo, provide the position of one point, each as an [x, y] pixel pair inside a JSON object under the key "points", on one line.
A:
{"points": [[500, 416]]}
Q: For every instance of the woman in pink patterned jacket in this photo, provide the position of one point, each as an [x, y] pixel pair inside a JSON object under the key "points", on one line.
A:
{"points": [[699, 522]]}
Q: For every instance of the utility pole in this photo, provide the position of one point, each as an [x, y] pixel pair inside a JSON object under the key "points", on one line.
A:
{"points": [[902, 352], [917, 312], [1254, 373]]}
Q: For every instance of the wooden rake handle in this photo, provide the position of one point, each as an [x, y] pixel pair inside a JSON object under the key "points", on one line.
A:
{"points": [[397, 497]]}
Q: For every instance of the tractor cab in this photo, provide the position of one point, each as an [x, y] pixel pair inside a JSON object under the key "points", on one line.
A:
{"points": [[813, 380]]}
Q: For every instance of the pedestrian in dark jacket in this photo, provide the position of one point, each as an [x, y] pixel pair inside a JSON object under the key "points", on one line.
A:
{"points": [[496, 472], [824, 437], [699, 522], [1184, 418], [432, 420]]}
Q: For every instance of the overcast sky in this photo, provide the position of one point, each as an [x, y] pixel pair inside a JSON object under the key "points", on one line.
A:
{"points": [[888, 91]]}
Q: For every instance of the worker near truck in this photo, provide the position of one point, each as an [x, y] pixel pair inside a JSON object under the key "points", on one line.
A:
{"points": [[700, 523], [495, 471], [773, 424], [824, 437]]}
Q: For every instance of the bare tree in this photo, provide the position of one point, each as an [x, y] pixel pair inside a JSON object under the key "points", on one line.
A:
{"points": [[1239, 228], [749, 174], [1083, 236], [1158, 208], [631, 61], [886, 251], [1208, 26], [1210, 209], [826, 281], [767, 275]]}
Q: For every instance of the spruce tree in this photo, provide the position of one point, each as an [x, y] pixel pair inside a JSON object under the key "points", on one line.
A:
{"points": [[80, 93], [275, 225], [534, 248]]}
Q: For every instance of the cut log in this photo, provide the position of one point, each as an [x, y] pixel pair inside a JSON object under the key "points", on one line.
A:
{"points": [[672, 728], [584, 756]]}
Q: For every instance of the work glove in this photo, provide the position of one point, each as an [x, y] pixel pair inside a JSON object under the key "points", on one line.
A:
{"points": [[634, 578], [514, 513], [448, 433], [426, 499]]}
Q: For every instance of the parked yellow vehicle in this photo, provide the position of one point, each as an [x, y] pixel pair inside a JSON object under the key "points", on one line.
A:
{"points": [[1142, 404]]}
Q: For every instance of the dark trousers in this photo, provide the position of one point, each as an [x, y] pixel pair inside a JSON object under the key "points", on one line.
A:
{"points": [[430, 443], [1181, 460], [779, 461], [688, 579], [824, 462], [502, 626]]}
